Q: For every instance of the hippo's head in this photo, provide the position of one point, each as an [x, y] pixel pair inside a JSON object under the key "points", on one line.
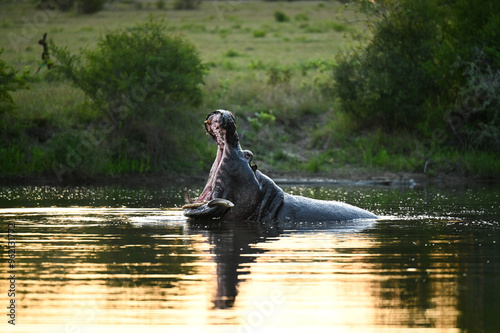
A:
{"points": [[232, 191]]}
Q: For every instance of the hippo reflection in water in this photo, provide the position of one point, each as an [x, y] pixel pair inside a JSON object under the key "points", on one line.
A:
{"points": [[236, 190]]}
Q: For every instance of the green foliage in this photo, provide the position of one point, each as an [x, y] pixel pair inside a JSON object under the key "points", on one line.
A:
{"points": [[318, 163], [90, 6], [12, 158], [279, 74], [301, 17], [338, 26], [187, 4], [83, 6], [386, 84], [257, 64], [430, 64], [279, 16], [122, 165], [262, 119], [10, 81], [475, 119], [160, 4], [474, 25], [57, 127], [73, 157], [320, 65], [259, 33], [135, 72], [267, 118], [18, 160], [232, 53], [479, 163], [140, 79], [224, 87]]}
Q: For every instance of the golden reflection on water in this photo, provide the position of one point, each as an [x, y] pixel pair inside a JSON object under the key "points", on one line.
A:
{"points": [[108, 266]]}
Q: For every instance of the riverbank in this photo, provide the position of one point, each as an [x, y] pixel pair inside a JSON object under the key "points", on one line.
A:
{"points": [[273, 71], [346, 177]]}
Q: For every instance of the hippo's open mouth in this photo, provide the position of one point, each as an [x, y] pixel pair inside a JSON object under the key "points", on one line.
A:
{"points": [[218, 128]]}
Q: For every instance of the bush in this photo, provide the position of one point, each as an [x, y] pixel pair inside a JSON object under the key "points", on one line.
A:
{"points": [[133, 72], [90, 6], [259, 33], [83, 6], [301, 17], [429, 65], [279, 74], [63, 5], [281, 17], [161, 4], [231, 53], [10, 81], [187, 4], [386, 84], [475, 118], [142, 80]]}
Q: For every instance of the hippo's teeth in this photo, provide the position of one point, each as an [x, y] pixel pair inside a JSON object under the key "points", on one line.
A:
{"points": [[220, 202], [209, 130], [193, 205], [187, 198]]}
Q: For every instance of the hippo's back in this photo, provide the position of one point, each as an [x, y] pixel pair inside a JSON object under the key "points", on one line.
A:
{"points": [[302, 209]]}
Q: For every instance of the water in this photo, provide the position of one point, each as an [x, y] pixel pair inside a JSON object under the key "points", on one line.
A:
{"points": [[116, 258]]}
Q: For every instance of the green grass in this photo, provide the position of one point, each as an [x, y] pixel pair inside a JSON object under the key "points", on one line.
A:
{"points": [[275, 74], [214, 29]]}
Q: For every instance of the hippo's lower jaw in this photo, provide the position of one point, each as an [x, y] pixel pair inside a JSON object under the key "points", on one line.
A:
{"points": [[206, 212], [211, 209]]}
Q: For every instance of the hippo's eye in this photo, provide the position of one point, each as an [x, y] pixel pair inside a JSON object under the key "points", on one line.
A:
{"points": [[248, 155]]}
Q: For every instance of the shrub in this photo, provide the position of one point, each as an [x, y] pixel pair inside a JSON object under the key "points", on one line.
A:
{"points": [[387, 83], [10, 81], [259, 33], [142, 80], [475, 118], [279, 74], [231, 53], [63, 5], [160, 4], [429, 65], [281, 17], [83, 6], [90, 6], [187, 4], [140, 67], [301, 17], [338, 26]]}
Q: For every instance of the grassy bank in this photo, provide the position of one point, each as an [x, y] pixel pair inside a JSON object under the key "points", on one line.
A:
{"points": [[274, 71]]}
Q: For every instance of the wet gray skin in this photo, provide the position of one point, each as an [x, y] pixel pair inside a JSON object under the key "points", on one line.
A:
{"points": [[236, 190]]}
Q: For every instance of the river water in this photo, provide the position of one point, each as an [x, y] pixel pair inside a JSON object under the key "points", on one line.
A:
{"points": [[118, 258]]}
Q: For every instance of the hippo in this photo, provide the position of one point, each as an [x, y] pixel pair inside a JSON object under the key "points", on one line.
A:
{"points": [[237, 190]]}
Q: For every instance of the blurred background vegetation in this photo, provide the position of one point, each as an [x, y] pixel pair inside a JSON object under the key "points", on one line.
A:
{"points": [[330, 88]]}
